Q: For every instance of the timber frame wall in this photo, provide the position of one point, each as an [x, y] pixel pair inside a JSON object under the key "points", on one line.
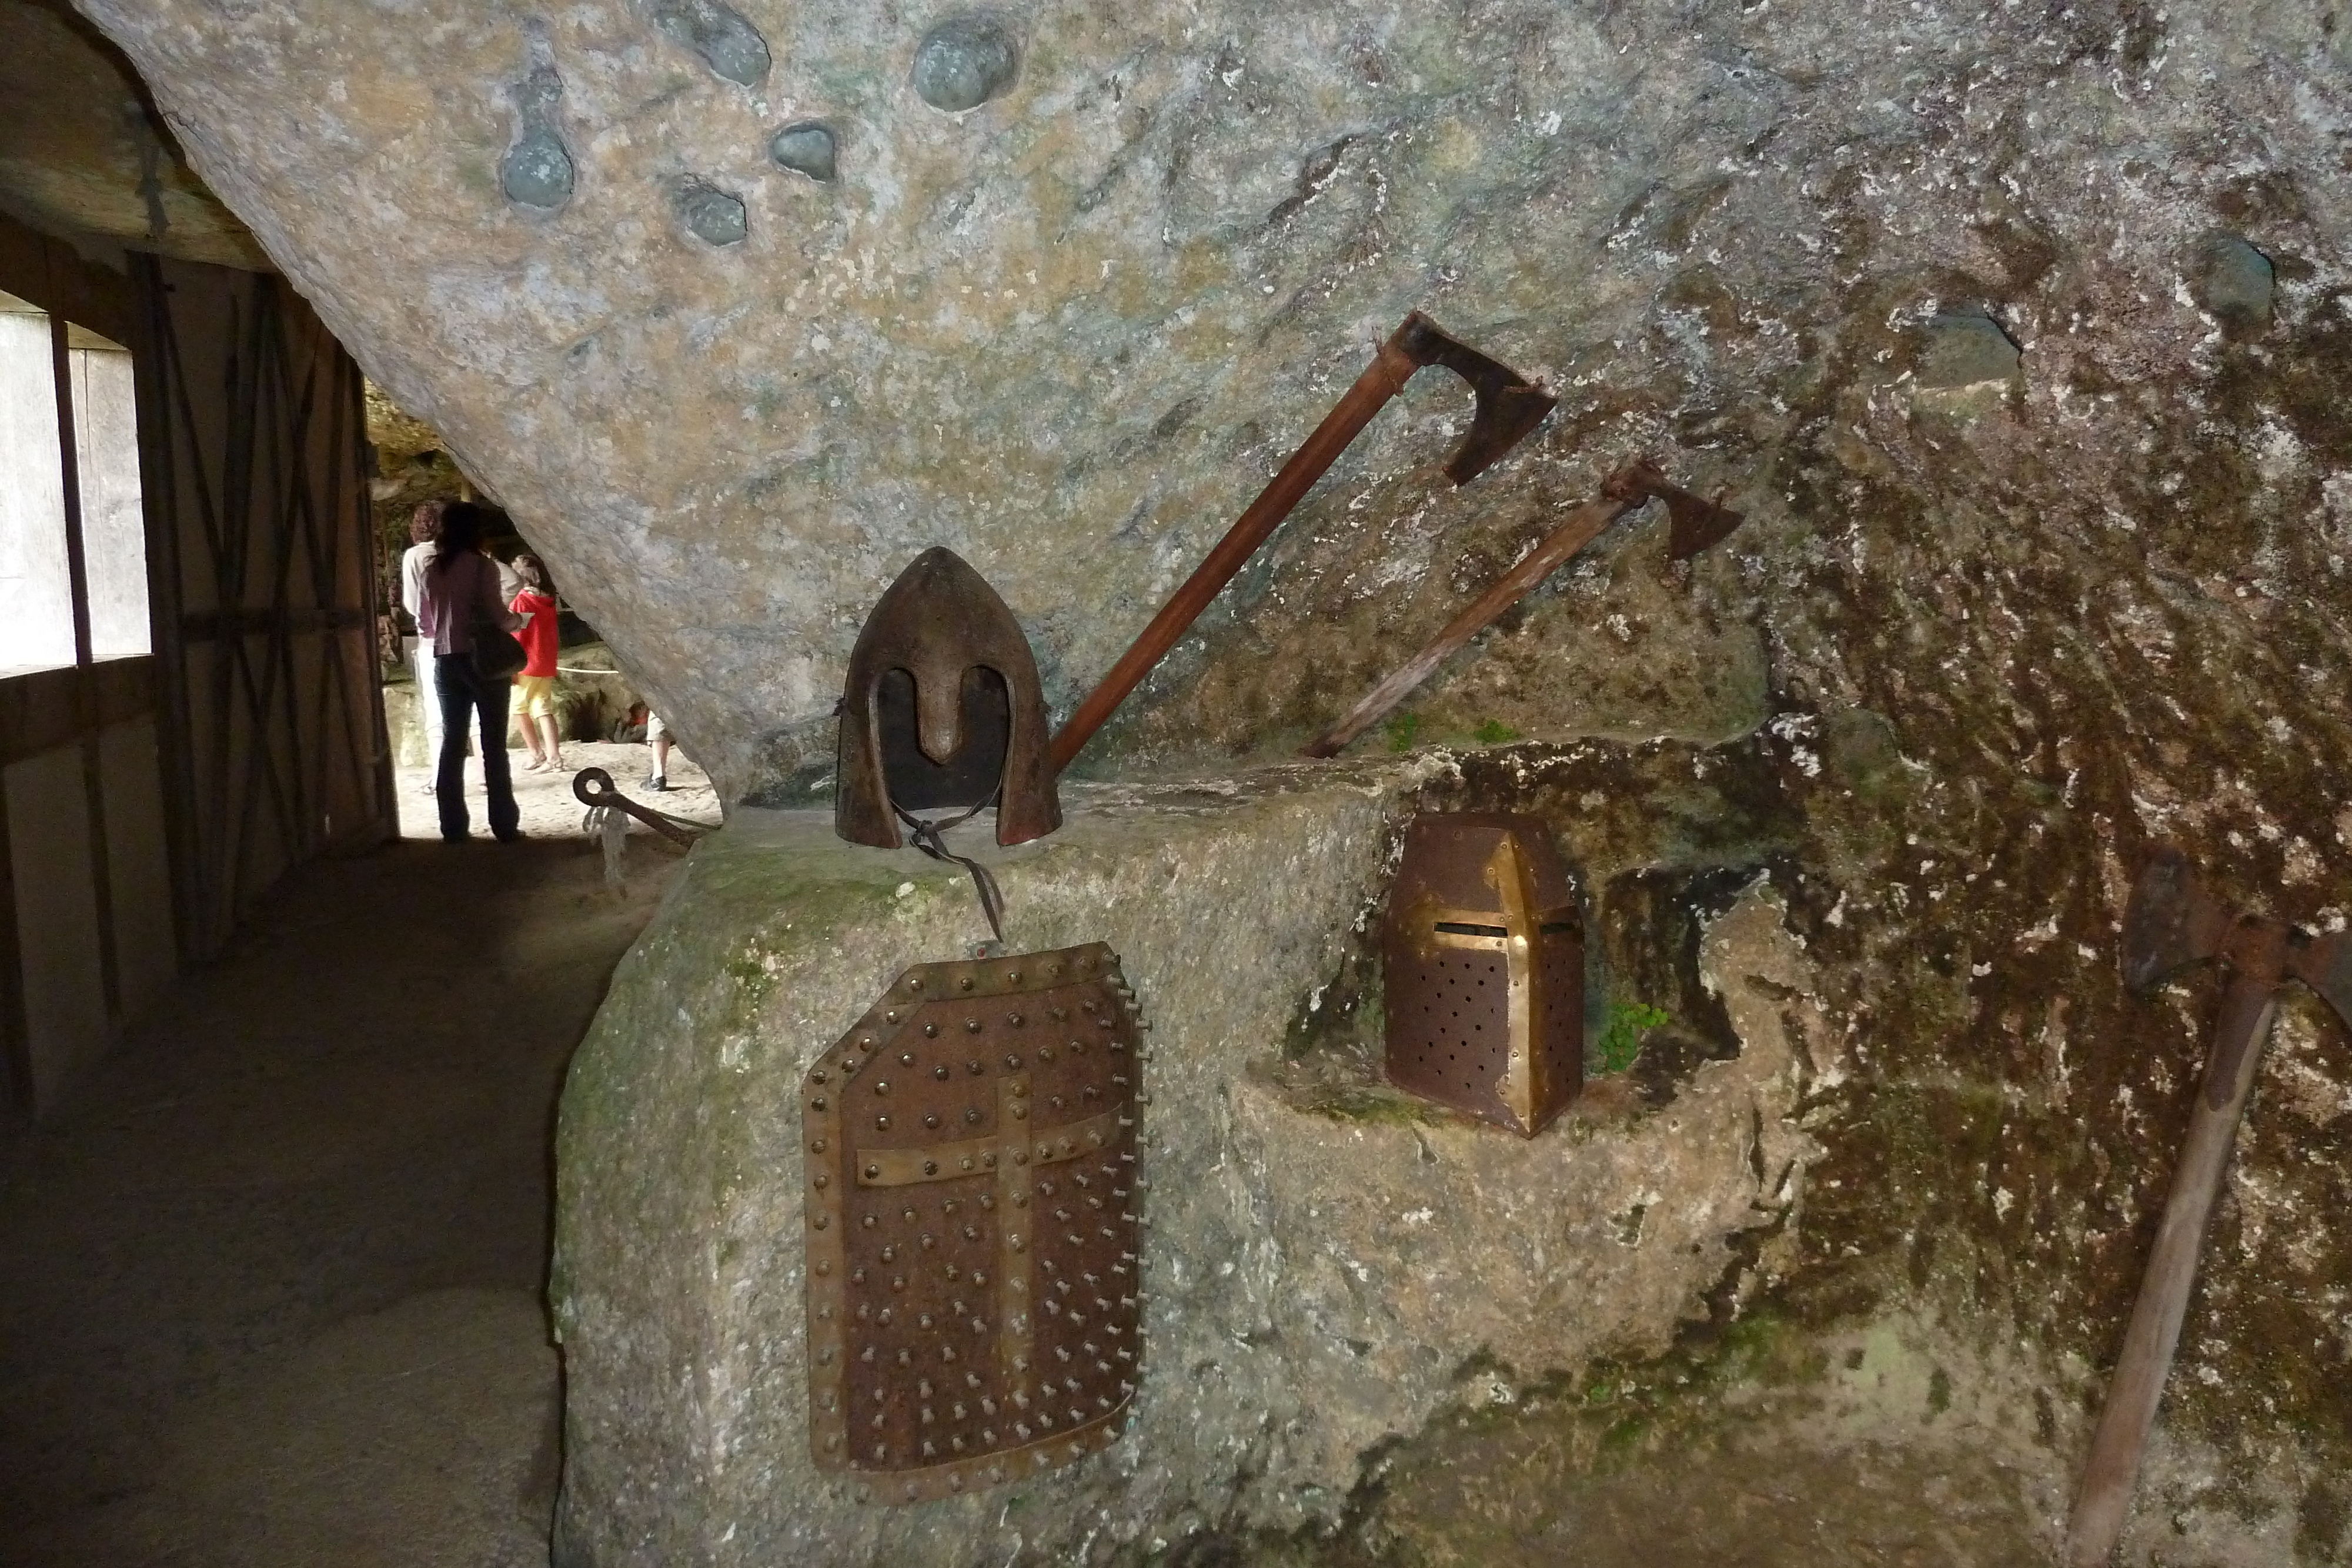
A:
{"points": [[258, 718]]}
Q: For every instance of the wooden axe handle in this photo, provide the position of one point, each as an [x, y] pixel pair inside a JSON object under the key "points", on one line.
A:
{"points": [[1623, 491], [2239, 1033], [1381, 380]]}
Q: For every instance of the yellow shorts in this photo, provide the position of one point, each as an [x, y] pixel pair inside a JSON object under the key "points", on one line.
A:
{"points": [[535, 696]]}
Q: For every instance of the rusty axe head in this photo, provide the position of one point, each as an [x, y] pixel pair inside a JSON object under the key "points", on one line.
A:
{"points": [[2172, 922], [2324, 964], [1509, 405], [1693, 523]]}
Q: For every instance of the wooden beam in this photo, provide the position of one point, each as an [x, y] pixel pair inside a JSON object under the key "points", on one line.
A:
{"points": [[51, 274], [15, 1031], [211, 625], [93, 761], [154, 361]]}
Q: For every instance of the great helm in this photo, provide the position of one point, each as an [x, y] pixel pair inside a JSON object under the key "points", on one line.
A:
{"points": [[1483, 960], [942, 708]]}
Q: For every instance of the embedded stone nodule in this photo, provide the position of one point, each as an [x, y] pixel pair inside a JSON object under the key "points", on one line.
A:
{"points": [[2235, 281], [714, 216], [807, 148], [1964, 349], [964, 62], [728, 44], [537, 171]]}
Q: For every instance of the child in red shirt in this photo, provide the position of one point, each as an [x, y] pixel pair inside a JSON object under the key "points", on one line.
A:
{"points": [[535, 687]]}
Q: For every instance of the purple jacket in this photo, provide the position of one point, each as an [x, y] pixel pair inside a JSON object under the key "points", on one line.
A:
{"points": [[454, 598]]}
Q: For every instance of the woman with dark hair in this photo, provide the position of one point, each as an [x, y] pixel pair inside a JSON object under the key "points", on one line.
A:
{"points": [[460, 593]]}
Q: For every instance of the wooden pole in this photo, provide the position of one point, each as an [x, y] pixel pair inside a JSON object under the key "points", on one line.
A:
{"points": [[2239, 1033], [87, 717], [1621, 494], [1381, 381]]}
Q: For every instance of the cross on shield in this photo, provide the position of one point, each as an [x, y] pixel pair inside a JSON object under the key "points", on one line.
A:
{"points": [[974, 1223]]}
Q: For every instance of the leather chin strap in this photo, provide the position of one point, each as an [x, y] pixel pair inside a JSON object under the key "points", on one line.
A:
{"points": [[926, 835]]}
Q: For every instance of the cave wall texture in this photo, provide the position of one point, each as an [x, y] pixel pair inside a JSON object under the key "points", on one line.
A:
{"points": [[1070, 332], [2019, 329]]}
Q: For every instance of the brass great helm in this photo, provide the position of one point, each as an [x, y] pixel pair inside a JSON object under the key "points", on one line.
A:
{"points": [[1483, 970], [942, 708]]}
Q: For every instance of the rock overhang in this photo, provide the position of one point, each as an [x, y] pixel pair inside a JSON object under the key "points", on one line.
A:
{"points": [[1066, 326]]}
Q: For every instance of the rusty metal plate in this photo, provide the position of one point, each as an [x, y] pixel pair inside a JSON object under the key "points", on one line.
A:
{"points": [[975, 1225], [1483, 970]]}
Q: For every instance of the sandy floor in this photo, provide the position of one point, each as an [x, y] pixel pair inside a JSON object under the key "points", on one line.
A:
{"points": [[270, 1285]]}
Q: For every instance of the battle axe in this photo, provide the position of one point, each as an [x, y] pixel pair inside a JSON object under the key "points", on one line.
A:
{"points": [[1508, 407], [2171, 924], [1693, 525]]}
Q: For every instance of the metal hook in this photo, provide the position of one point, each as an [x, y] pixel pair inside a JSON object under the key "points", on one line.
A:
{"points": [[593, 787]]}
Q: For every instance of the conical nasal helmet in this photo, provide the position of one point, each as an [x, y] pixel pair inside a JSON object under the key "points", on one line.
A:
{"points": [[943, 710]]}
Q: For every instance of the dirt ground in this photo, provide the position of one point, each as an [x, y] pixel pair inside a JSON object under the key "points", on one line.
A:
{"points": [[271, 1282]]}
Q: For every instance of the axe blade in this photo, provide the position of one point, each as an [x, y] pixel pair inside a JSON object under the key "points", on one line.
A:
{"points": [[1692, 524], [2170, 922], [2324, 964], [1509, 405], [1504, 418]]}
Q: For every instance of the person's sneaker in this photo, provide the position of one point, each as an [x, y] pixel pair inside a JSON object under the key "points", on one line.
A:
{"points": [[656, 782]]}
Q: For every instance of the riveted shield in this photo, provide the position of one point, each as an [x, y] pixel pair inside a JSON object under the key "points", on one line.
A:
{"points": [[1483, 970], [974, 1217]]}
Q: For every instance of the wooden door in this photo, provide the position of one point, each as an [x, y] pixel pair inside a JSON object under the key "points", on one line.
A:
{"points": [[263, 588]]}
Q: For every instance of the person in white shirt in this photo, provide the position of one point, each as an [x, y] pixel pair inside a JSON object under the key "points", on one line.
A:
{"points": [[423, 530], [658, 738], [460, 592]]}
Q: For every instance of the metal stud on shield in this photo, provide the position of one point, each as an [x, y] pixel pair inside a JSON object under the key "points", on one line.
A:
{"points": [[1483, 961]]}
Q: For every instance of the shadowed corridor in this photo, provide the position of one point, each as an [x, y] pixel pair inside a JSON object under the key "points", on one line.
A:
{"points": [[271, 1281]]}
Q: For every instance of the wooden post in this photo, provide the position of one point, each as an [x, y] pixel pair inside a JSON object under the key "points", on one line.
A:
{"points": [[154, 360], [86, 710], [1618, 497]]}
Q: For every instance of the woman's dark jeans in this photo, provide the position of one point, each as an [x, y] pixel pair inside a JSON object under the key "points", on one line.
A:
{"points": [[464, 695]]}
